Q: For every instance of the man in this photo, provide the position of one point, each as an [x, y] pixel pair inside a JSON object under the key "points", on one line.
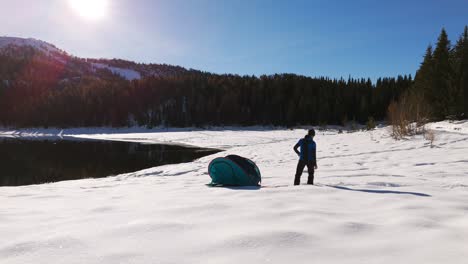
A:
{"points": [[307, 157]]}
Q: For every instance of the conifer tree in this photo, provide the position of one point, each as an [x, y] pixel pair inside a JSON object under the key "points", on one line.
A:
{"points": [[442, 95], [461, 50], [457, 65], [423, 75]]}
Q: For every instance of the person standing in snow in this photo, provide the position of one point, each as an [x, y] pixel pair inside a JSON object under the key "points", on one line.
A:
{"points": [[307, 157]]}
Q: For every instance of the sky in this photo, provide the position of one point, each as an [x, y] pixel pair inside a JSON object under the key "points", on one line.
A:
{"points": [[332, 38]]}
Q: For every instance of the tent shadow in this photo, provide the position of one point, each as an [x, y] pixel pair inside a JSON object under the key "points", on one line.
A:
{"points": [[379, 191], [243, 188]]}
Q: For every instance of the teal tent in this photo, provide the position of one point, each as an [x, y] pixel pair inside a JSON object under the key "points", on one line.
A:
{"points": [[234, 170]]}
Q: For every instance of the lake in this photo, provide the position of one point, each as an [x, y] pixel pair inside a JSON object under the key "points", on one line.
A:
{"points": [[26, 162]]}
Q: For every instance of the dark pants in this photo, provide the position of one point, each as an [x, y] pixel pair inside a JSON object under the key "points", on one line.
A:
{"points": [[300, 168]]}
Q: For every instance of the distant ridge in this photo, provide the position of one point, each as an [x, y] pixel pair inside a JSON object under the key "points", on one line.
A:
{"points": [[31, 42], [129, 70]]}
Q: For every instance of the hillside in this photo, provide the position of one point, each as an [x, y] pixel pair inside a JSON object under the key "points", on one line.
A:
{"points": [[25, 51]]}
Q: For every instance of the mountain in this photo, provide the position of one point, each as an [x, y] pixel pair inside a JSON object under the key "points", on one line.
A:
{"points": [[20, 56], [6, 42]]}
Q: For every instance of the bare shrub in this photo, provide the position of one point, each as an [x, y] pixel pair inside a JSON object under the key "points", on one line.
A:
{"points": [[408, 116], [370, 125], [353, 125], [322, 126], [430, 136]]}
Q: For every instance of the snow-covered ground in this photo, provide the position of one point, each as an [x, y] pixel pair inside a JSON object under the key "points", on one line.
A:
{"points": [[377, 200]]}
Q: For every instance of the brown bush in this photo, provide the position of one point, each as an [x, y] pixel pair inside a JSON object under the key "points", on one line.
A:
{"points": [[408, 116], [429, 135]]}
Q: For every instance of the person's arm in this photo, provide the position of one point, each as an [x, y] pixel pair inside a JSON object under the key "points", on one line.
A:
{"points": [[296, 148], [315, 155]]}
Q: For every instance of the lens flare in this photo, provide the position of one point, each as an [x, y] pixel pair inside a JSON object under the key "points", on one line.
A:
{"points": [[90, 9]]}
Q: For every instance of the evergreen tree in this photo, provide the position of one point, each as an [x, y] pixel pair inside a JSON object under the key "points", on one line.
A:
{"points": [[423, 82], [461, 72], [443, 94]]}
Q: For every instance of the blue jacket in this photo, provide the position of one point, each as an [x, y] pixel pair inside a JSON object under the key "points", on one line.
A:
{"points": [[308, 149]]}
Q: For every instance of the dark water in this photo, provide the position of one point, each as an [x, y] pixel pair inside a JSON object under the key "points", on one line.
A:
{"points": [[25, 162]]}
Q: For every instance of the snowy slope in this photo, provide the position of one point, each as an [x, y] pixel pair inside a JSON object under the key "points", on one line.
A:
{"points": [[34, 43], [377, 201], [127, 69], [50, 49], [128, 74]]}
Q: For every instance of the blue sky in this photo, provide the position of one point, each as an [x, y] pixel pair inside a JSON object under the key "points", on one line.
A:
{"points": [[361, 38]]}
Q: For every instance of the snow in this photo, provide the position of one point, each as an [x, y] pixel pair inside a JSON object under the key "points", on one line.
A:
{"points": [[21, 42], [377, 200], [128, 74]]}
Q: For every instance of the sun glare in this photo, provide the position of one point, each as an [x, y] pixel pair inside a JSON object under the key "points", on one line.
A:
{"points": [[90, 9]]}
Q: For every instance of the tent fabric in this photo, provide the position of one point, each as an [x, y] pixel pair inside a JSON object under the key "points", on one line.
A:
{"points": [[234, 170]]}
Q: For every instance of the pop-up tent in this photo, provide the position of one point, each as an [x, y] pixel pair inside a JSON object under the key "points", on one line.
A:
{"points": [[234, 170]]}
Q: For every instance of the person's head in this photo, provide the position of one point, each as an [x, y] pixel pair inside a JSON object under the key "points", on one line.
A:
{"points": [[311, 132]]}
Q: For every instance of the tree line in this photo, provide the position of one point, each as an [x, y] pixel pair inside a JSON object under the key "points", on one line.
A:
{"points": [[440, 89], [197, 99]]}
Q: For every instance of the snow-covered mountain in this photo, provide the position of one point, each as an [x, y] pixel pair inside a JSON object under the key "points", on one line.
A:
{"points": [[21, 49], [29, 42]]}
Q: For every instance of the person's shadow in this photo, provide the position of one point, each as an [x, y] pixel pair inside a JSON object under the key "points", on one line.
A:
{"points": [[378, 191]]}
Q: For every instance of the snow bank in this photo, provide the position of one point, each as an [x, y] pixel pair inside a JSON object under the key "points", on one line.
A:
{"points": [[377, 201]]}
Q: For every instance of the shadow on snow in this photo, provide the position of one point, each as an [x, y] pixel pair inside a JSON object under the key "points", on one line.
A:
{"points": [[378, 191]]}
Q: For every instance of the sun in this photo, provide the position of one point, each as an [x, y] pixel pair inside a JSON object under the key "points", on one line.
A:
{"points": [[90, 9]]}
